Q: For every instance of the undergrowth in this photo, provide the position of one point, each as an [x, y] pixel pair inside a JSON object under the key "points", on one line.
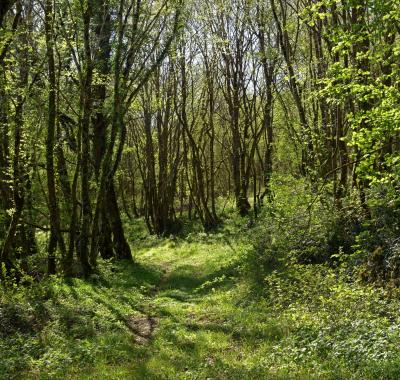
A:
{"points": [[274, 299]]}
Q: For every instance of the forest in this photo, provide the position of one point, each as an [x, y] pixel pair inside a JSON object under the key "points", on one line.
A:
{"points": [[200, 189]]}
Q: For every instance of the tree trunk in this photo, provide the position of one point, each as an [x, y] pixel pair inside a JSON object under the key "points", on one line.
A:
{"points": [[55, 228]]}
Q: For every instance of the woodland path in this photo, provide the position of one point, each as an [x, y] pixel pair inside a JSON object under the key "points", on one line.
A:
{"points": [[188, 323], [184, 312]]}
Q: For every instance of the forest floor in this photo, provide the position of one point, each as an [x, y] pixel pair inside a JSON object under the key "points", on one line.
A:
{"points": [[182, 311], [185, 329]]}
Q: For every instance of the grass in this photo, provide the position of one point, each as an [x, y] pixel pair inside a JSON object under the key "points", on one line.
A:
{"points": [[310, 323]]}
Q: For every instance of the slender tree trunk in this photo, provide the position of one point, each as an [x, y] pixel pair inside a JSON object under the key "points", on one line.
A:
{"points": [[86, 97], [55, 228]]}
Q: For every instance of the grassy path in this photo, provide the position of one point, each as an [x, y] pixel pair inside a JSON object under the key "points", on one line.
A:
{"points": [[194, 320], [192, 299], [182, 312]]}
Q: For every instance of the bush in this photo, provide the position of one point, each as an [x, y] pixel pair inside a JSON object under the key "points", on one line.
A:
{"points": [[378, 244], [298, 229]]}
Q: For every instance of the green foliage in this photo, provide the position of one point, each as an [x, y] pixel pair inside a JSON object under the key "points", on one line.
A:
{"points": [[345, 323], [300, 228], [305, 322], [377, 245], [57, 324], [365, 76]]}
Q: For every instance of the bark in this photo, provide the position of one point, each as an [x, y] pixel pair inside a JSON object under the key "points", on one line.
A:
{"points": [[107, 171], [18, 182], [86, 99], [56, 237], [121, 246]]}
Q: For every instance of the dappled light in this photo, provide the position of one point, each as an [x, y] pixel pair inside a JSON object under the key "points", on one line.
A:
{"points": [[199, 189]]}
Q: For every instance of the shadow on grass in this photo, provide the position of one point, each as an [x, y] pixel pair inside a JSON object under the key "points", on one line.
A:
{"points": [[123, 275], [186, 279]]}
